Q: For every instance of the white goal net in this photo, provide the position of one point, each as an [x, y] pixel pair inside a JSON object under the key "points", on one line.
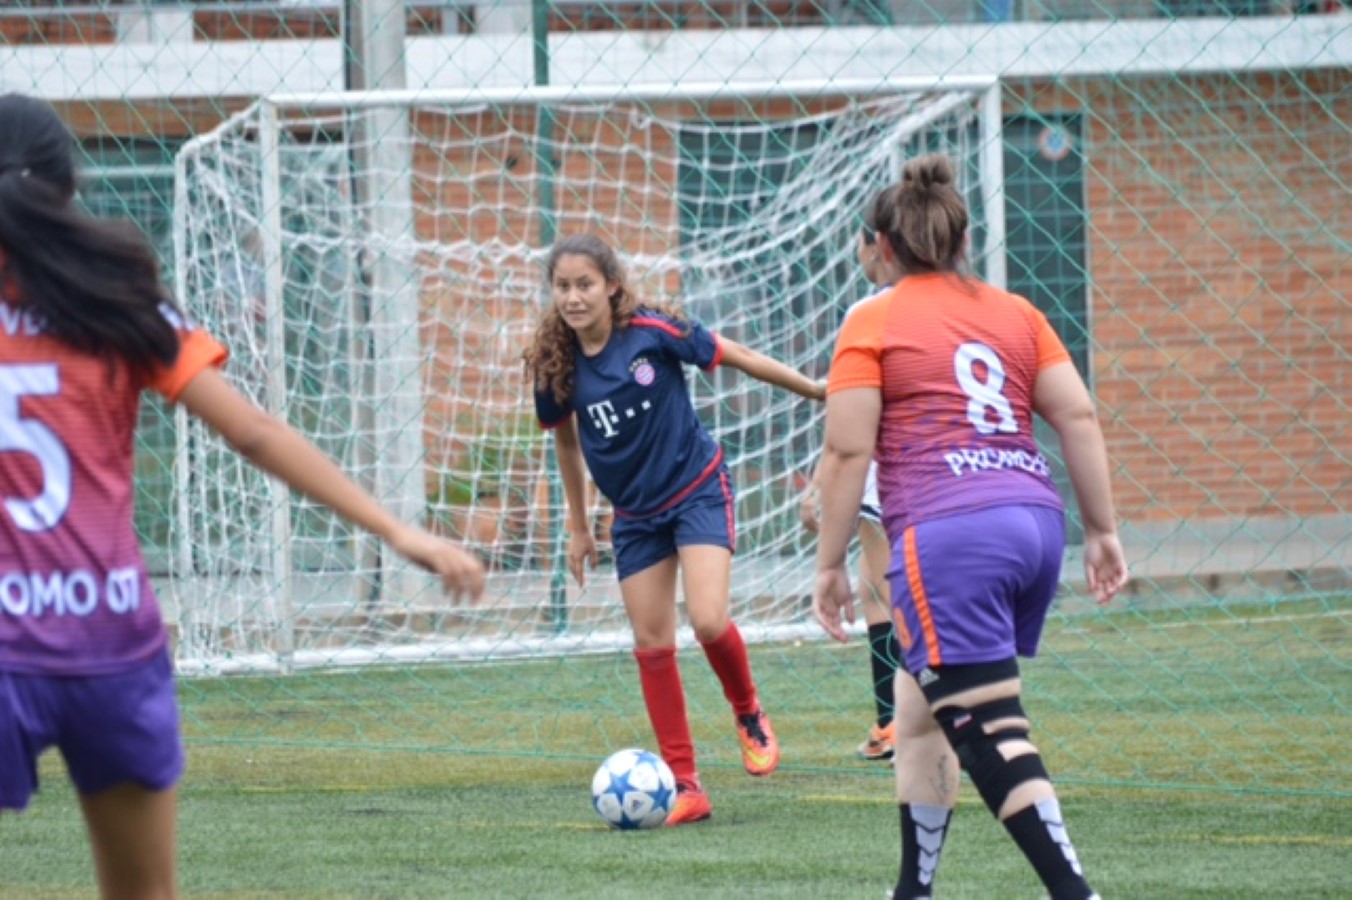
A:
{"points": [[374, 265]]}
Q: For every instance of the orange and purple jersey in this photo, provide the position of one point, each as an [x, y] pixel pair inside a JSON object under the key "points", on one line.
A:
{"points": [[75, 598], [956, 361]]}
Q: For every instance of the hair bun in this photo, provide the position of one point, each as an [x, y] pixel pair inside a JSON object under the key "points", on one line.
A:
{"points": [[928, 172]]}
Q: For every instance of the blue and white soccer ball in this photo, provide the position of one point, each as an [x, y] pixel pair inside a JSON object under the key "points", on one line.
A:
{"points": [[634, 789]]}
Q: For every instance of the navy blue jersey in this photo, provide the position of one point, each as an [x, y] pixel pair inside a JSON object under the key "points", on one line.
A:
{"points": [[643, 444]]}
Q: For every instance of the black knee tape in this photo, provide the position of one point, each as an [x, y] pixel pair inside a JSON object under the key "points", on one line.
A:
{"points": [[966, 728], [942, 682], [979, 752], [996, 777]]}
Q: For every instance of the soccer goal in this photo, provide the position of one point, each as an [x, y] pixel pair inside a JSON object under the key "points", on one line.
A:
{"points": [[373, 261]]}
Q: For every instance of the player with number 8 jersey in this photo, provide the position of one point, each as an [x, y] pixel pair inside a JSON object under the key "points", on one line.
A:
{"points": [[939, 379], [957, 362]]}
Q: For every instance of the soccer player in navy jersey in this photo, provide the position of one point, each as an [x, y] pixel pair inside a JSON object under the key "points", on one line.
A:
{"points": [[609, 382], [85, 328]]}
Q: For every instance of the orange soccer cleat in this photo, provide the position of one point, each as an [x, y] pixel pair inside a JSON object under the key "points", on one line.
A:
{"points": [[881, 743], [760, 748], [692, 804]]}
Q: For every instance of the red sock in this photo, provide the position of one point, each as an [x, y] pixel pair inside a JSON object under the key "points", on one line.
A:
{"points": [[727, 656], [662, 692]]}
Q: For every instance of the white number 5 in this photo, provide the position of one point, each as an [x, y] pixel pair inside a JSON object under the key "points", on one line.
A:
{"points": [[986, 394], [28, 436]]}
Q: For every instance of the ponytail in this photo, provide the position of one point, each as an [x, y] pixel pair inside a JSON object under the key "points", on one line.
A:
{"points": [[94, 284]]}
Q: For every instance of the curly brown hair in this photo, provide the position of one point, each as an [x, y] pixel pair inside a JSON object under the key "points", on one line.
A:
{"points": [[550, 358]]}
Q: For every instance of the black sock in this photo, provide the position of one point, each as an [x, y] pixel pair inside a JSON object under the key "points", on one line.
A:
{"points": [[923, 829], [883, 656], [1041, 835]]}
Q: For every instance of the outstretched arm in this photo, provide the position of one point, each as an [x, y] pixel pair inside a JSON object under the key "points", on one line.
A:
{"points": [[1061, 398], [763, 368], [281, 451], [573, 470]]}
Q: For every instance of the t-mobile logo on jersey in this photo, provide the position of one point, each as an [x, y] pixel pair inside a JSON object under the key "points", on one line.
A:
{"points": [[603, 417]]}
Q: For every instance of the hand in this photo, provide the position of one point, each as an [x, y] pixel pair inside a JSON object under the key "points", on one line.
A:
{"points": [[809, 510], [832, 597], [820, 394], [581, 555], [461, 572], [1105, 565]]}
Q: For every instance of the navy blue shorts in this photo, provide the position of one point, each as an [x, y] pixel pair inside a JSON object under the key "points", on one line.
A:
{"points": [[707, 516], [976, 587], [109, 728]]}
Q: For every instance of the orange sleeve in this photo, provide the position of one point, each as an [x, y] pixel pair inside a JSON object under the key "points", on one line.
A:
{"points": [[1050, 350], [858, 360], [197, 350]]}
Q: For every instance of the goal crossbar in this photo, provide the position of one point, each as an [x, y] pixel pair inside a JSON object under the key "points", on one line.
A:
{"points": [[373, 261]]}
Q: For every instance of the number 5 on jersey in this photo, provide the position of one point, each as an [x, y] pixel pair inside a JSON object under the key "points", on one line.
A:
{"points": [[22, 435]]}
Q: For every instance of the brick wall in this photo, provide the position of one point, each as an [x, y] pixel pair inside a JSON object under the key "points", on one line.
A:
{"points": [[93, 25], [76, 24], [1218, 287], [86, 26], [1219, 291], [665, 15], [288, 24]]}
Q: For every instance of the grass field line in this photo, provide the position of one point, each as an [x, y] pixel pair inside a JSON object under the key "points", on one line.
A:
{"points": [[310, 789], [876, 800], [1247, 620], [496, 825], [1312, 840]]}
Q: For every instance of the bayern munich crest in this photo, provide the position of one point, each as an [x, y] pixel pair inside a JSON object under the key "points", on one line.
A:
{"points": [[644, 374]]}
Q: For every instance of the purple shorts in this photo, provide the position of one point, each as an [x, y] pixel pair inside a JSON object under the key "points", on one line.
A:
{"points": [[109, 728], [976, 587]]}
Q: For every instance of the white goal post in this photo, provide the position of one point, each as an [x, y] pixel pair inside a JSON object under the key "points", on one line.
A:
{"points": [[373, 262]]}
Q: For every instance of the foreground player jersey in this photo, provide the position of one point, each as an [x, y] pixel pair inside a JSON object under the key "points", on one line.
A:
{"points": [[74, 595], [643, 444], [956, 361]]}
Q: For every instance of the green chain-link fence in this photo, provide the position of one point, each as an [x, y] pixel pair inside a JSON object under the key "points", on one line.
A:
{"points": [[1168, 181]]}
